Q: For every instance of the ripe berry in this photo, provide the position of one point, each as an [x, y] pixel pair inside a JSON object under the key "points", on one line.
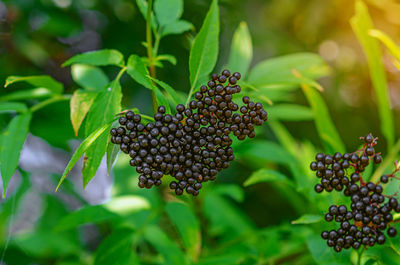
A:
{"points": [[194, 144], [392, 232]]}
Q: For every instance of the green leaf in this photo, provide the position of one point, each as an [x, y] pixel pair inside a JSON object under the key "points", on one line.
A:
{"points": [[176, 27], [225, 217], [89, 77], [97, 58], [387, 41], [241, 50], [307, 219], [111, 210], [261, 152], [323, 254], [40, 92], [301, 167], [361, 24], [142, 5], [127, 204], [12, 141], [112, 154], [138, 71], [231, 190], [395, 241], [103, 110], [164, 245], [204, 52], [325, 127], [290, 112], [116, 248], [43, 243], [266, 175], [279, 70], [12, 107], [166, 57], [80, 104], [231, 258], [371, 262], [171, 93], [85, 215], [187, 225], [168, 11], [37, 81], [82, 149]]}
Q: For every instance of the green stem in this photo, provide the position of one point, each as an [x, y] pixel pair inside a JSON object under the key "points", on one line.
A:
{"points": [[157, 38], [121, 72], [49, 101], [389, 159], [149, 41]]}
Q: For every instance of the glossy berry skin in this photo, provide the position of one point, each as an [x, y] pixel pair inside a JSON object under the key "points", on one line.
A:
{"points": [[194, 144], [369, 212]]}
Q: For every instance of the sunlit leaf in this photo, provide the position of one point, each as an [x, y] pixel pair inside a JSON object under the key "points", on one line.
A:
{"points": [[241, 50], [99, 58], [307, 219], [325, 126], [44, 81], [387, 41], [40, 92], [279, 70], [361, 24], [266, 175], [80, 104], [127, 204], [289, 112], [89, 77]]}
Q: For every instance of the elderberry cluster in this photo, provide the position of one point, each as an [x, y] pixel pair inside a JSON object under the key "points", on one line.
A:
{"points": [[370, 211], [194, 144]]}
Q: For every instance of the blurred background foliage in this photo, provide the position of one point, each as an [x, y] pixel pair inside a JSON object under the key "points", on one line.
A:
{"points": [[246, 216]]}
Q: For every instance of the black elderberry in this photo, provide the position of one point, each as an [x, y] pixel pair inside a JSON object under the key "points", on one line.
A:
{"points": [[370, 213], [392, 232], [194, 144], [384, 179]]}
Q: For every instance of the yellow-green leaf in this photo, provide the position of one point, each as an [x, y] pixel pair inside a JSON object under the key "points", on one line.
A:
{"points": [[361, 24], [80, 104]]}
